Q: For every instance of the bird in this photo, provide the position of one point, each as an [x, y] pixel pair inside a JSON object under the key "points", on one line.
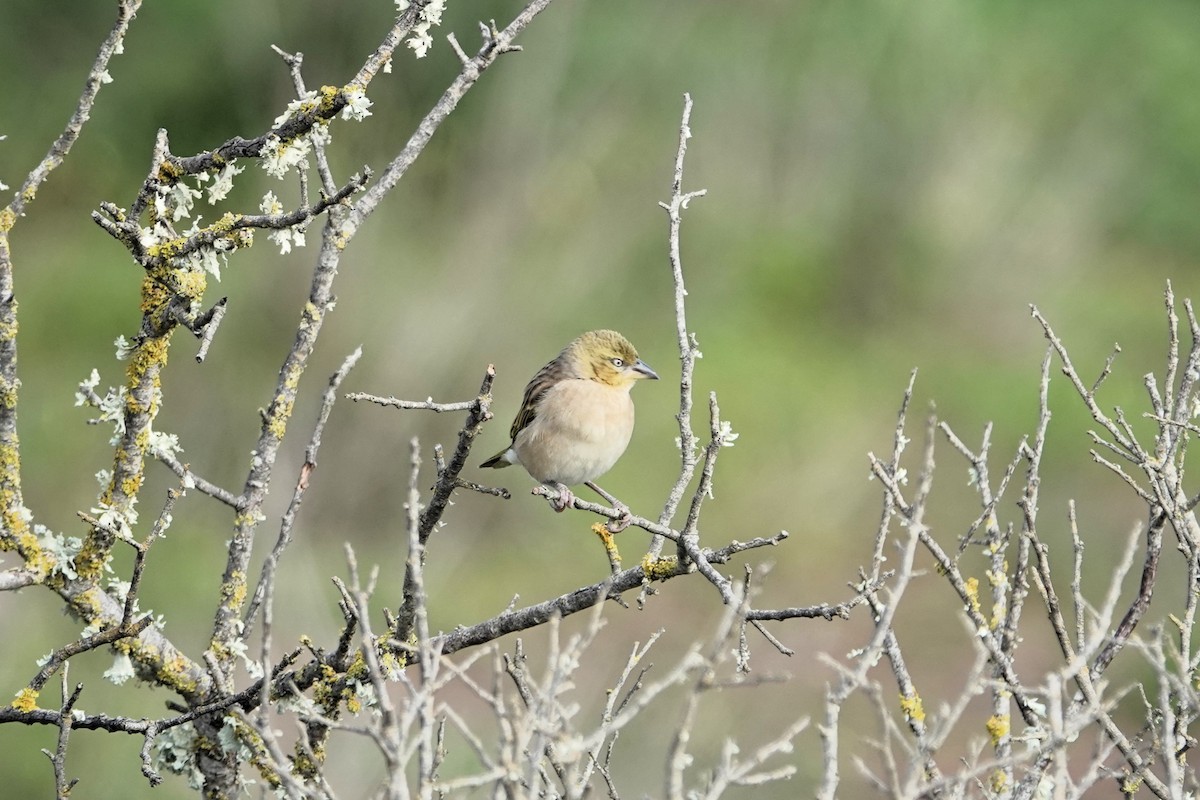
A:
{"points": [[576, 418]]}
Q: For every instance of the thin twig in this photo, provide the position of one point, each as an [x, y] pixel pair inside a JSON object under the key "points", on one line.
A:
{"points": [[271, 564], [689, 349]]}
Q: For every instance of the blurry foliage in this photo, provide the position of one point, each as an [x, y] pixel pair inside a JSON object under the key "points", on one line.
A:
{"points": [[890, 184]]}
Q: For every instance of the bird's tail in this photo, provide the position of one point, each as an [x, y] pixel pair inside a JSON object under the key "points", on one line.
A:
{"points": [[497, 461]]}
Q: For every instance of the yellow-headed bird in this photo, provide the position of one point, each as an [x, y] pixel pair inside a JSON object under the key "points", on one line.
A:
{"points": [[577, 415]]}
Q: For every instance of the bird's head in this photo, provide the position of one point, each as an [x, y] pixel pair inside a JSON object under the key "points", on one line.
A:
{"points": [[608, 357]]}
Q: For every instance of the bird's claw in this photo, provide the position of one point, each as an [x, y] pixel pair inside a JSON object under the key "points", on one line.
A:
{"points": [[564, 499], [622, 522]]}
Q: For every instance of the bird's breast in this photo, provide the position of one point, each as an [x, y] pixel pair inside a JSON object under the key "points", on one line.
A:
{"points": [[581, 428]]}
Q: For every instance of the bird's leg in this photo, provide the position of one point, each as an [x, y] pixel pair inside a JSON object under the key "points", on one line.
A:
{"points": [[615, 525], [564, 499]]}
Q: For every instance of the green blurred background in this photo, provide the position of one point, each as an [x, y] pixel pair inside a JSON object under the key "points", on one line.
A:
{"points": [[889, 186]]}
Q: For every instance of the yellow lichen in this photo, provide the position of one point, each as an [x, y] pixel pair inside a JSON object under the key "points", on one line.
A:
{"points": [[152, 352], [131, 485], [997, 727], [10, 460], [26, 700], [390, 661], [302, 764], [226, 222], [171, 672], [329, 93], [258, 757], [912, 707], [40, 563], [166, 250], [190, 283], [606, 538], [8, 330], [323, 693], [87, 603], [168, 172], [7, 220], [246, 519], [174, 674], [973, 593], [998, 781], [277, 424], [657, 569], [233, 591], [292, 379], [89, 564], [358, 669], [14, 517], [8, 391]]}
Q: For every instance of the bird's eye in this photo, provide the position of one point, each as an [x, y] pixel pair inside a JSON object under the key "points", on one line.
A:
{"points": [[618, 362]]}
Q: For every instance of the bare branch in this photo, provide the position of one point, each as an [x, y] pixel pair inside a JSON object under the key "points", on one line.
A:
{"points": [[271, 565], [689, 349], [13, 579], [392, 402]]}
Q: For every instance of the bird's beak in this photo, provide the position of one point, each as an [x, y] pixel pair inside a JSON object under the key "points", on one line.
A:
{"points": [[644, 371]]}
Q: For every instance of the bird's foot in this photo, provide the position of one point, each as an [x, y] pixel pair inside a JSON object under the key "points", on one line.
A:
{"points": [[622, 522], [564, 499]]}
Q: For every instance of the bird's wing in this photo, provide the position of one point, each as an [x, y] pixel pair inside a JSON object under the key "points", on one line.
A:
{"points": [[546, 377]]}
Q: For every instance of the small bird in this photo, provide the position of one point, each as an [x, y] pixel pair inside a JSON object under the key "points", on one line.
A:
{"points": [[577, 416]]}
